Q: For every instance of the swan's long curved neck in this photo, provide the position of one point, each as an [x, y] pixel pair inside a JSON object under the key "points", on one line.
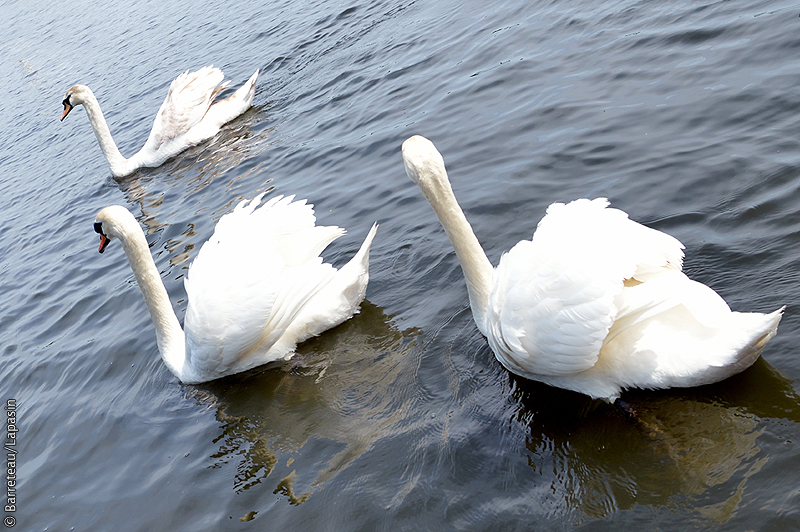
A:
{"points": [[169, 335], [478, 271], [120, 166]]}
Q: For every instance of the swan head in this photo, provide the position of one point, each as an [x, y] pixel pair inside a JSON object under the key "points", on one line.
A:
{"points": [[111, 222], [425, 167], [76, 95], [421, 159]]}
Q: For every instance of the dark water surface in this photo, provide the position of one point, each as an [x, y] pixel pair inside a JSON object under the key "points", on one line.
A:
{"points": [[684, 114]]}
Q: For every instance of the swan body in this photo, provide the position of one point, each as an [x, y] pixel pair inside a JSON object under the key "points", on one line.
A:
{"points": [[256, 289], [594, 302], [188, 116]]}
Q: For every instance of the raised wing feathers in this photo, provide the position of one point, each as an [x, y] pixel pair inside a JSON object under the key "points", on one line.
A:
{"points": [[251, 279], [189, 97], [554, 297]]}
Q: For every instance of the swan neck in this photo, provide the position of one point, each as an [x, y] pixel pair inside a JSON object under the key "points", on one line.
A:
{"points": [[478, 271], [120, 166], [169, 335]]}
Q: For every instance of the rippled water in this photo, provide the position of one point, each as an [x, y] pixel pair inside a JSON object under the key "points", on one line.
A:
{"points": [[685, 115]]}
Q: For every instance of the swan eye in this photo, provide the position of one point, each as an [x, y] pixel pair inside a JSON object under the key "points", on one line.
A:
{"points": [[98, 228]]}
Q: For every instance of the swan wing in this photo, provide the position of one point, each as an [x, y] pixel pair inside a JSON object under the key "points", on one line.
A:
{"points": [[554, 298], [251, 279], [673, 331], [189, 97]]}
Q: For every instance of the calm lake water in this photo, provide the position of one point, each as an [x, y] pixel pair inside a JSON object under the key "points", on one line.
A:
{"points": [[684, 114]]}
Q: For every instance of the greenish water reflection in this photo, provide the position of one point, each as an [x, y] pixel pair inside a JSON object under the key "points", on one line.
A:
{"points": [[686, 449], [337, 392]]}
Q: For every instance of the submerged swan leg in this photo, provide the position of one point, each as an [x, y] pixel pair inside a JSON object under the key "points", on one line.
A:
{"points": [[626, 408]]}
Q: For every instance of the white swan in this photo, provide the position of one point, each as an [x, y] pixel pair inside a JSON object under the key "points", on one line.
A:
{"points": [[594, 302], [257, 288], [188, 116]]}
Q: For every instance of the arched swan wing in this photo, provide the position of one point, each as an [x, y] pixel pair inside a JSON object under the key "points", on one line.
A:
{"points": [[553, 300], [189, 97], [252, 278]]}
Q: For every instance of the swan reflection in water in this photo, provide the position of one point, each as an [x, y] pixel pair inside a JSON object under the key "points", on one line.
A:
{"points": [[336, 401], [684, 443]]}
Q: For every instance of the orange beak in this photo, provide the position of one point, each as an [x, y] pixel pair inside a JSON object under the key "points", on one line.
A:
{"points": [[104, 240], [67, 109]]}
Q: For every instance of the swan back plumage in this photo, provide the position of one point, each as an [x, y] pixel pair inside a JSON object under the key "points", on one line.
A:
{"points": [[187, 102], [251, 280], [554, 298], [597, 303]]}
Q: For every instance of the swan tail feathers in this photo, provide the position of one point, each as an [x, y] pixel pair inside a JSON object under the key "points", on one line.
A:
{"points": [[756, 330], [244, 94], [247, 91], [746, 335], [223, 111], [362, 256], [773, 320], [339, 299]]}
